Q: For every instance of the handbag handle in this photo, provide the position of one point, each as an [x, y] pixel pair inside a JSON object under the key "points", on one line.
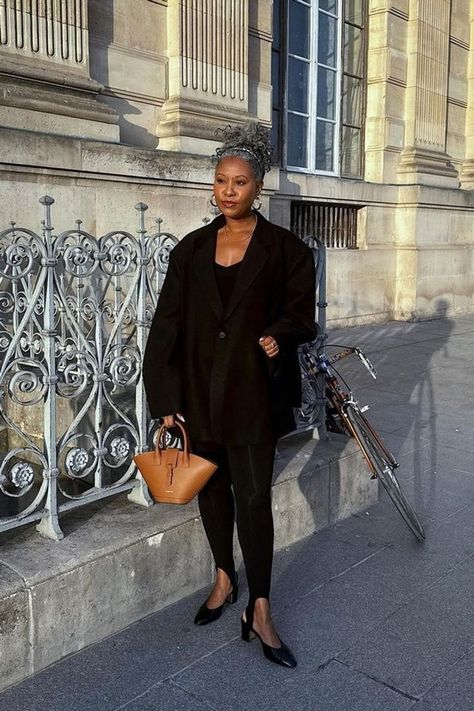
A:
{"points": [[185, 439]]}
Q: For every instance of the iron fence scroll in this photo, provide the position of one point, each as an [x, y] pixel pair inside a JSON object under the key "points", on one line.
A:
{"points": [[75, 314]]}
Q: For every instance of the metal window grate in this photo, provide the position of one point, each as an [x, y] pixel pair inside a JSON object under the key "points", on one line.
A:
{"points": [[334, 224]]}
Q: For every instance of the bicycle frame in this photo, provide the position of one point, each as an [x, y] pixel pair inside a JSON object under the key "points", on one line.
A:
{"points": [[340, 399], [347, 417]]}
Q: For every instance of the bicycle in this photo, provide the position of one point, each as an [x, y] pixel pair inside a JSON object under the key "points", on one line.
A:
{"points": [[345, 416]]}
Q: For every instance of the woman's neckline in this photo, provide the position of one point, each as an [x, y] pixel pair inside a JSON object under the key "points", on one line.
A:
{"points": [[228, 266]]}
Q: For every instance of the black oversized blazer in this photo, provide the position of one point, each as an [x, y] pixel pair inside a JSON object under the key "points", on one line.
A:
{"points": [[207, 363]]}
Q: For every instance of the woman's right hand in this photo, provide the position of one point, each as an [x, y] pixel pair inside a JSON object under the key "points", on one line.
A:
{"points": [[168, 420]]}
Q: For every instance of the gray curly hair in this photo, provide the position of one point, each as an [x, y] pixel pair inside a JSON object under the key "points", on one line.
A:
{"points": [[251, 142]]}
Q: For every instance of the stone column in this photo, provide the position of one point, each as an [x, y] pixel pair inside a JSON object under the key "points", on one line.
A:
{"points": [[467, 173], [386, 85], [424, 158], [208, 72], [44, 69]]}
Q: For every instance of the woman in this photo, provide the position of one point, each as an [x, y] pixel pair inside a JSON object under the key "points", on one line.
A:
{"points": [[238, 298]]}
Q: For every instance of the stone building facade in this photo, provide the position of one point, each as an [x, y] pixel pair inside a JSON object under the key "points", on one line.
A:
{"points": [[106, 103]]}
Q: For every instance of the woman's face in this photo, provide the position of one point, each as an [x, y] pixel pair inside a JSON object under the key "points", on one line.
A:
{"points": [[235, 187]]}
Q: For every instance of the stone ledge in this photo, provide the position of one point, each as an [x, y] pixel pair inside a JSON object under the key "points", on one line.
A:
{"points": [[119, 563]]}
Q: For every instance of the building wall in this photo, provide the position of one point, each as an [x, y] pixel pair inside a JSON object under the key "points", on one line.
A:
{"points": [[415, 257], [135, 121]]}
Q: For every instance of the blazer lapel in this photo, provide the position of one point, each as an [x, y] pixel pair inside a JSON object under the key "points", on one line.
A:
{"points": [[203, 264], [255, 258]]}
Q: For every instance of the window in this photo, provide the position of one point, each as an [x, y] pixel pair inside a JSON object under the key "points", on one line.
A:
{"points": [[318, 77]]}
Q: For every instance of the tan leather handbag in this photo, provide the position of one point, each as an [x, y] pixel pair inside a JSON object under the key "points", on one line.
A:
{"points": [[174, 476]]}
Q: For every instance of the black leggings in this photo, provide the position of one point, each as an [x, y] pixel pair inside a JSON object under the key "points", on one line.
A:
{"points": [[247, 470]]}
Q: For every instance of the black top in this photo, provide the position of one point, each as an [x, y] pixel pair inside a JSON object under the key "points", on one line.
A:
{"points": [[225, 277]]}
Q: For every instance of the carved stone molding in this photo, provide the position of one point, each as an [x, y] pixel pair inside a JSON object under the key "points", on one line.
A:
{"points": [[214, 47], [427, 94], [52, 30], [44, 70], [208, 70]]}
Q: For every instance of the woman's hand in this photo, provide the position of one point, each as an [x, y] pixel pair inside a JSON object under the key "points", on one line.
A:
{"points": [[168, 420], [269, 345]]}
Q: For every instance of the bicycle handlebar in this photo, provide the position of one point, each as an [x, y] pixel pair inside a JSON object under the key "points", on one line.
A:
{"points": [[367, 363], [347, 350]]}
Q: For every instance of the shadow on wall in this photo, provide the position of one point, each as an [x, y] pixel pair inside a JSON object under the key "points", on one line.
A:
{"points": [[131, 134], [101, 30]]}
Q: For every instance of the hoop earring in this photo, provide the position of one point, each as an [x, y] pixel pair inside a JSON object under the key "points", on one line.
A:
{"points": [[212, 200], [257, 207]]}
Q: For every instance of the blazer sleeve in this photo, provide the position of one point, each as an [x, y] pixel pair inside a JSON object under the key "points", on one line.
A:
{"points": [[296, 321], [161, 364]]}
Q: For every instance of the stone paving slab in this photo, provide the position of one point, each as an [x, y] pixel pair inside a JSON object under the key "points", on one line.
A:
{"points": [[169, 696], [421, 641], [432, 500], [455, 691], [404, 571], [440, 459], [336, 687]]}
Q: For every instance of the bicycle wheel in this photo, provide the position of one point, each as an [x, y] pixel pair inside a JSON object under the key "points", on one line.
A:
{"points": [[383, 469]]}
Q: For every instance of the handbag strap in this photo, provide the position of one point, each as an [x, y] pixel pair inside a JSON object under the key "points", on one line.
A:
{"points": [[185, 439]]}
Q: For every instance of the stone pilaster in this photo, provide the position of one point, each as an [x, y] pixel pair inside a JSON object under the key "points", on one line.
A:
{"points": [[44, 69], [424, 158], [386, 86], [467, 173], [208, 71]]}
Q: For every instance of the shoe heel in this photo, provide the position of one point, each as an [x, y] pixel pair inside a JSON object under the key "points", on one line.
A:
{"points": [[247, 633], [234, 595]]}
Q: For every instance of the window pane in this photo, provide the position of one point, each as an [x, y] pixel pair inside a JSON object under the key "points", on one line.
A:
{"points": [[354, 10], [352, 101], [324, 146], [276, 24], [326, 104], [353, 55], [351, 158], [297, 141], [327, 40], [276, 78], [299, 29], [329, 5], [298, 85]]}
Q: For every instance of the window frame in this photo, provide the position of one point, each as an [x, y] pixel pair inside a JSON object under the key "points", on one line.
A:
{"points": [[340, 72], [363, 97]]}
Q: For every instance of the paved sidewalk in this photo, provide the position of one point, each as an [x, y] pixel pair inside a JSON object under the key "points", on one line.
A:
{"points": [[377, 621]]}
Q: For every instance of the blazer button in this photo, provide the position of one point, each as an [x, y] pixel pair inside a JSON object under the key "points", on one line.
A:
{"points": [[222, 334]]}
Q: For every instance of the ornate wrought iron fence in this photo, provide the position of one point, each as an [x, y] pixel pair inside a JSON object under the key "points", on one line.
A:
{"points": [[75, 312], [74, 317]]}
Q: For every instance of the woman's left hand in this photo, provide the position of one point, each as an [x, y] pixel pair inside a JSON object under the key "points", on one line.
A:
{"points": [[269, 345]]}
